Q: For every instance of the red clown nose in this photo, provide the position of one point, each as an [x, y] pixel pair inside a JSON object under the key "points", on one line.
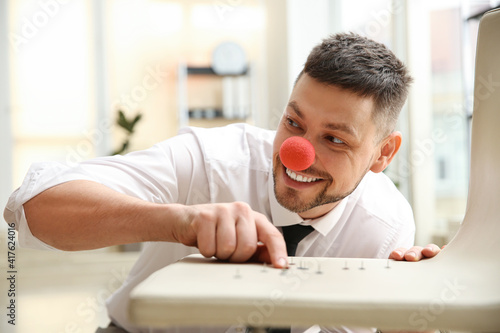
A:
{"points": [[296, 153]]}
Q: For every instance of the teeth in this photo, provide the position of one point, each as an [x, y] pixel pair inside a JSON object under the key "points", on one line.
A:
{"points": [[299, 178]]}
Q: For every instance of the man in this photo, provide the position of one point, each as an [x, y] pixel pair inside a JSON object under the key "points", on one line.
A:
{"points": [[224, 191]]}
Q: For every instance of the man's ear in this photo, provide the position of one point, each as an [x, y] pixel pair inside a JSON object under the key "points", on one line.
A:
{"points": [[388, 148]]}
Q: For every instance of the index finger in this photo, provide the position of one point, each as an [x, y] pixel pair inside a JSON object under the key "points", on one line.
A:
{"points": [[268, 234]]}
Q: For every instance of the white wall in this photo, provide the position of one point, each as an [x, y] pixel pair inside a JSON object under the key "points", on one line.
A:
{"points": [[101, 86], [5, 148], [421, 171], [308, 22], [5, 109], [294, 27], [276, 71]]}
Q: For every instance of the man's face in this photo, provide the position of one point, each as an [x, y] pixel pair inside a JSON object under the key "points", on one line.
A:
{"points": [[339, 125]]}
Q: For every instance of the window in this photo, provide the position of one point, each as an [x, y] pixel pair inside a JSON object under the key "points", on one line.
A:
{"points": [[51, 74]]}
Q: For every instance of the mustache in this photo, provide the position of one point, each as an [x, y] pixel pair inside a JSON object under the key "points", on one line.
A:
{"points": [[312, 171]]}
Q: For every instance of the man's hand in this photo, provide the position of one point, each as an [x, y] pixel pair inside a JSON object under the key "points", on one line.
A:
{"points": [[415, 253], [231, 231]]}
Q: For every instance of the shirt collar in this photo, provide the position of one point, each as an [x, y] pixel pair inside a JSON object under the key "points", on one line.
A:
{"points": [[325, 223], [282, 217]]}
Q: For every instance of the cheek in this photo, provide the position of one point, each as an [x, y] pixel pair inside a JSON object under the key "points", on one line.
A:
{"points": [[278, 141], [334, 161], [276, 150], [342, 167]]}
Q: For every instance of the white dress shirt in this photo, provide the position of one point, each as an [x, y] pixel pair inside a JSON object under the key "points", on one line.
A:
{"points": [[232, 163]]}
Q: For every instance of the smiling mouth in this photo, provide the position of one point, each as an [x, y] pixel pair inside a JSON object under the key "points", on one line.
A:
{"points": [[301, 178]]}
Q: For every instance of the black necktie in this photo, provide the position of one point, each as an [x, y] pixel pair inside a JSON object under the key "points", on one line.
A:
{"points": [[293, 234]]}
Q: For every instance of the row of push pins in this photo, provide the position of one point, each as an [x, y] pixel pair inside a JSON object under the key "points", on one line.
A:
{"points": [[303, 265]]}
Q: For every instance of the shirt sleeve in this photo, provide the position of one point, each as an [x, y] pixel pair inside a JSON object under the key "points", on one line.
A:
{"points": [[166, 173]]}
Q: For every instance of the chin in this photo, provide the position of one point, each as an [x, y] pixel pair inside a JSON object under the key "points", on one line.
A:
{"points": [[298, 201], [290, 200]]}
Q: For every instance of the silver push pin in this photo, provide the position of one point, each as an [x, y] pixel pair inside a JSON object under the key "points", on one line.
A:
{"points": [[303, 266], [345, 266], [361, 268], [387, 265], [319, 269], [237, 275]]}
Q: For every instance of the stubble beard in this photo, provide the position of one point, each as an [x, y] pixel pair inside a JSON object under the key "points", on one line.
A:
{"points": [[291, 200]]}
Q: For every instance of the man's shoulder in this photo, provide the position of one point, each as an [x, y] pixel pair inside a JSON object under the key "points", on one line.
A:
{"points": [[381, 216], [237, 133], [379, 197], [241, 143]]}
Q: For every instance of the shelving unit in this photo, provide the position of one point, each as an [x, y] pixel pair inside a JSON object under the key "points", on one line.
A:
{"points": [[207, 99]]}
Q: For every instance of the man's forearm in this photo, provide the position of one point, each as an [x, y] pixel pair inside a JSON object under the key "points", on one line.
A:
{"points": [[83, 215]]}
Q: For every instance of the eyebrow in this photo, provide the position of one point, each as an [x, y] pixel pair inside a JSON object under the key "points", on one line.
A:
{"points": [[296, 109], [331, 126]]}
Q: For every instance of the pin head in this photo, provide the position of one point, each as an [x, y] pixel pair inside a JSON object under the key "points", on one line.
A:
{"points": [[297, 153]]}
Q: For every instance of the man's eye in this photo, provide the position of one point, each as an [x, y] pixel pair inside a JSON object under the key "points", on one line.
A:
{"points": [[292, 123], [335, 140]]}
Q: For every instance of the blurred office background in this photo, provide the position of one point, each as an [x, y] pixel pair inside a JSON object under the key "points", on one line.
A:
{"points": [[67, 67]]}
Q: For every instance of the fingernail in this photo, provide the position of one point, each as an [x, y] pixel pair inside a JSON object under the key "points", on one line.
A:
{"points": [[282, 262], [411, 255], [399, 253], [430, 248]]}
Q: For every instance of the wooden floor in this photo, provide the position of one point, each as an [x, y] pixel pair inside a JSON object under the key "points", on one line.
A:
{"points": [[60, 292]]}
